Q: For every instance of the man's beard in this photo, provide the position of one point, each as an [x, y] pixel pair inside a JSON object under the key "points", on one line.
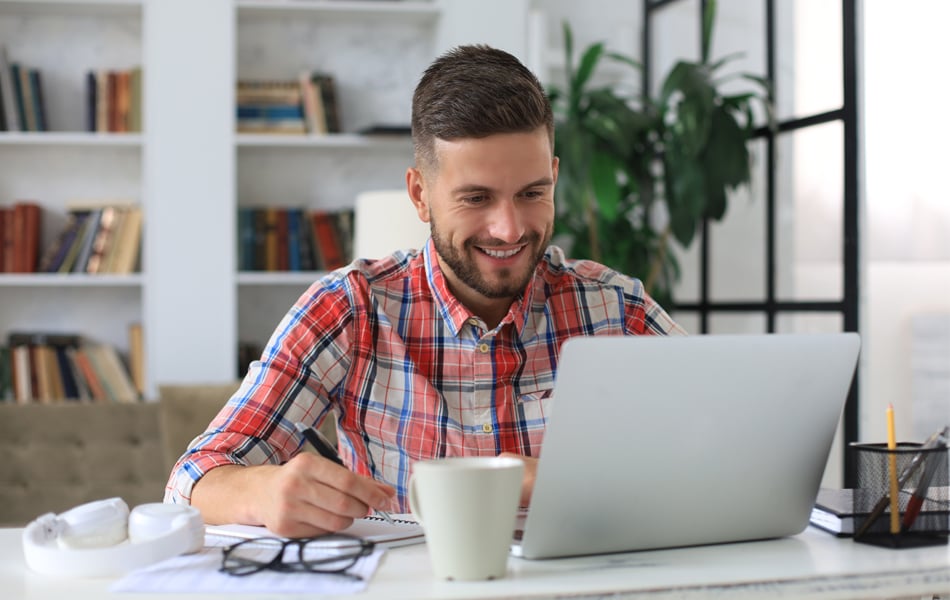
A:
{"points": [[510, 284]]}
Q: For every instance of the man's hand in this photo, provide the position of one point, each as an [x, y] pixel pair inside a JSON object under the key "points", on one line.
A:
{"points": [[530, 471], [307, 496]]}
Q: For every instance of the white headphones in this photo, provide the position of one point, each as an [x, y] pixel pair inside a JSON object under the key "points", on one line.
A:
{"points": [[102, 538]]}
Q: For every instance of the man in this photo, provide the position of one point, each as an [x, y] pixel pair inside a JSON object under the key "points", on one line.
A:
{"points": [[451, 350]]}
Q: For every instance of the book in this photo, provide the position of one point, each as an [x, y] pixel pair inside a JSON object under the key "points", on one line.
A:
{"points": [[21, 80], [137, 357], [245, 238], [59, 249], [92, 94], [86, 240], [314, 113], [834, 511], [135, 100], [89, 376], [327, 240], [6, 239], [102, 101], [22, 378], [112, 373], [8, 92], [128, 242], [36, 95], [326, 84], [27, 217], [104, 236], [6, 375], [404, 532], [39, 376]]}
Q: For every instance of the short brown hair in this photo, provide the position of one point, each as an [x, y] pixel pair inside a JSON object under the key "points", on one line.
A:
{"points": [[473, 92]]}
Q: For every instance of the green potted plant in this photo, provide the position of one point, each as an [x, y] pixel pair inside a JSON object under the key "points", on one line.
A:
{"points": [[638, 171]]}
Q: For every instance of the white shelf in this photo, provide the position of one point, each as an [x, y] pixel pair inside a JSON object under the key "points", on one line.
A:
{"points": [[265, 278], [407, 11], [336, 140], [71, 280], [74, 7], [70, 138]]}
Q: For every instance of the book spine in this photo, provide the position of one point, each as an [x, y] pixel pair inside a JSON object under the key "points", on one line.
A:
{"points": [[328, 241], [102, 101], [91, 101], [135, 100], [26, 236], [327, 86], [39, 106], [102, 240], [6, 238], [26, 99], [8, 91]]}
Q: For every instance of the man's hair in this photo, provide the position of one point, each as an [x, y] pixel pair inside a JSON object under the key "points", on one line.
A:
{"points": [[474, 92]]}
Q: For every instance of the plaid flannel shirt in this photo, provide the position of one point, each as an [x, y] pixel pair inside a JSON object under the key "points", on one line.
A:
{"points": [[409, 372]]}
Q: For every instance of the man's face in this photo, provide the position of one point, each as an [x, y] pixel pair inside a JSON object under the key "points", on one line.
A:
{"points": [[490, 206]]}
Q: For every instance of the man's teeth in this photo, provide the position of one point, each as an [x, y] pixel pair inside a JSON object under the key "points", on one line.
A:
{"points": [[500, 253]]}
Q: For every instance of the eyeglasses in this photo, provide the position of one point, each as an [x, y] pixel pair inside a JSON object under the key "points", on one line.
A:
{"points": [[331, 554]]}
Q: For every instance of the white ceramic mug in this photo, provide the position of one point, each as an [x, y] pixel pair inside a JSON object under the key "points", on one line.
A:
{"points": [[467, 507]]}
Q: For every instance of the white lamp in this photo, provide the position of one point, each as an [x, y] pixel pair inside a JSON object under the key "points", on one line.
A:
{"points": [[386, 221]]}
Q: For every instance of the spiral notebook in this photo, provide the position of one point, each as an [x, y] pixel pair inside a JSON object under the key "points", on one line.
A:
{"points": [[406, 531]]}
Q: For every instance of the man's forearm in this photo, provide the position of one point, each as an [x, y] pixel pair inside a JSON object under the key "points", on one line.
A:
{"points": [[226, 494]]}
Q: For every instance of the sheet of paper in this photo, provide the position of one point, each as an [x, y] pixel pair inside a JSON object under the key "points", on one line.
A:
{"points": [[198, 573]]}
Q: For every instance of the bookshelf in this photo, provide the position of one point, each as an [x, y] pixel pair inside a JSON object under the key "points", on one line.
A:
{"points": [[68, 165], [387, 45], [190, 171]]}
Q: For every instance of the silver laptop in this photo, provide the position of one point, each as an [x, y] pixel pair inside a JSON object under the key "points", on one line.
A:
{"points": [[658, 442]]}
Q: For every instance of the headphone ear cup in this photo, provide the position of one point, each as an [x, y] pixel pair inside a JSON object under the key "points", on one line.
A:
{"points": [[95, 524]]}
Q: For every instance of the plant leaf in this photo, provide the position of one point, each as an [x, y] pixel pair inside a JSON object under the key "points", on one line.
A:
{"points": [[709, 19], [603, 175], [586, 67]]}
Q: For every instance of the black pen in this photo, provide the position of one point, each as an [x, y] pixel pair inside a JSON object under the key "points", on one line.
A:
{"points": [[327, 451]]}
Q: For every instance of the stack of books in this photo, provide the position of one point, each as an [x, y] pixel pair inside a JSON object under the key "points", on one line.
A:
{"points": [[114, 100], [48, 368], [22, 107], [294, 239], [96, 239], [307, 104]]}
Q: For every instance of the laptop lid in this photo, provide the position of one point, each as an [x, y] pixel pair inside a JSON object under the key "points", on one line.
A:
{"points": [[657, 442]]}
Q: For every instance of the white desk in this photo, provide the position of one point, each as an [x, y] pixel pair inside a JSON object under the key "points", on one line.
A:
{"points": [[813, 564]]}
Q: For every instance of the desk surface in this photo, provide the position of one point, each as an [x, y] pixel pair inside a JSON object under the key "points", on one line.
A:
{"points": [[812, 564]]}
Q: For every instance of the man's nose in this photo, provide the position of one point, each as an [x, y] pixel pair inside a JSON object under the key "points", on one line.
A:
{"points": [[506, 223]]}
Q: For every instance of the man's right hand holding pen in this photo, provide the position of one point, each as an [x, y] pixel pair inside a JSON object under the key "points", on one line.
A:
{"points": [[308, 495]]}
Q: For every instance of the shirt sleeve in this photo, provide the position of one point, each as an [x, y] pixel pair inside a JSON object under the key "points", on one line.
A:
{"points": [[305, 359], [644, 316]]}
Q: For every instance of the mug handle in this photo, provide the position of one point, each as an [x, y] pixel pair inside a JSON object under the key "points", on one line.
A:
{"points": [[413, 504]]}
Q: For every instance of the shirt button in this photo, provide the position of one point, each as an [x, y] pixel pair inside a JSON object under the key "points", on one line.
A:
{"points": [[487, 428], [483, 348], [473, 321]]}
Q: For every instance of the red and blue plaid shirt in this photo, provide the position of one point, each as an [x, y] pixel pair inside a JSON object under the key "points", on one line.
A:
{"points": [[410, 372]]}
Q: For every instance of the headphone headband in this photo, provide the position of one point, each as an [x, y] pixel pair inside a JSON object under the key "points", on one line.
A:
{"points": [[102, 538]]}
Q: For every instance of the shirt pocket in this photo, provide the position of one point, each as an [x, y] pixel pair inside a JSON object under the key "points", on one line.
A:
{"points": [[531, 409]]}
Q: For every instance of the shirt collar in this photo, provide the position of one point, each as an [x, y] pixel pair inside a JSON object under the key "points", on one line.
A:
{"points": [[454, 313]]}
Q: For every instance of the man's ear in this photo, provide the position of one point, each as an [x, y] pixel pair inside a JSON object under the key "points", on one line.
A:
{"points": [[418, 193]]}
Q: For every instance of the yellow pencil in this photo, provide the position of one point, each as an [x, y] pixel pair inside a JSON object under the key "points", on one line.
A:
{"points": [[892, 472]]}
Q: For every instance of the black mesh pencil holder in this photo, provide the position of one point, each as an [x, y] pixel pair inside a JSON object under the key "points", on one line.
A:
{"points": [[922, 498]]}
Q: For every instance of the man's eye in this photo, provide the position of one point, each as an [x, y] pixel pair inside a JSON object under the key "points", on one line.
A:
{"points": [[533, 194], [475, 199]]}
